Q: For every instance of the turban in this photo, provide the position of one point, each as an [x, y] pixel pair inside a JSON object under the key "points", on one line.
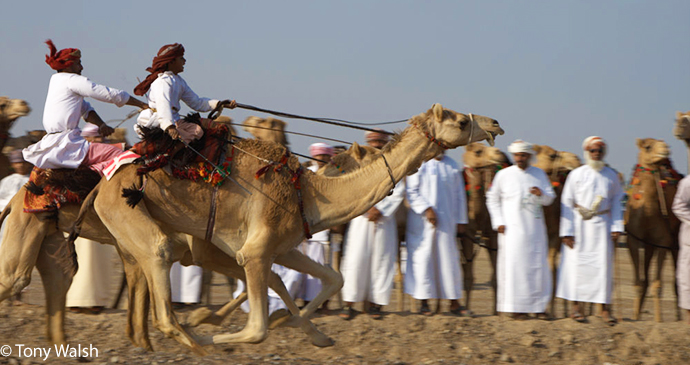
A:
{"points": [[320, 149], [376, 135], [520, 146], [16, 156], [90, 130], [166, 54], [591, 141], [63, 59]]}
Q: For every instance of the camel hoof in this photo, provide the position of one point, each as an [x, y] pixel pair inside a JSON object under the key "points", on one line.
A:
{"points": [[278, 318], [204, 340], [322, 341], [199, 316]]}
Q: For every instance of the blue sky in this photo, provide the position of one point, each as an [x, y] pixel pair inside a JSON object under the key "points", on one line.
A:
{"points": [[552, 72]]}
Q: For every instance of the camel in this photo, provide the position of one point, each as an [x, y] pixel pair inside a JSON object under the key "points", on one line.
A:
{"points": [[274, 224], [557, 165], [32, 240], [682, 131], [481, 164], [649, 221], [266, 129], [10, 111]]}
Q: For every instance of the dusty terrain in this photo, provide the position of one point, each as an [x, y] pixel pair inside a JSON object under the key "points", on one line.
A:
{"points": [[400, 338]]}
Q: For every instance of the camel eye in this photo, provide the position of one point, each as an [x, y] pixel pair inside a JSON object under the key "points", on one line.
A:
{"points": [[648, 148], [463, 124], [478, 153], [553, 157]]}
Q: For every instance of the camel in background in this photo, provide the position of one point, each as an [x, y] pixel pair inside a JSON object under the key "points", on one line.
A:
{"points": [[481, 165], [649, 220], [10, 111], [557, 165], [681, 130]]}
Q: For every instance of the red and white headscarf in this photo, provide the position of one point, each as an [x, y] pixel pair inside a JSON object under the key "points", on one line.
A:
{"points": [[375, 136], [319, 148], [62, 59], [165, 55], [592, 141]]}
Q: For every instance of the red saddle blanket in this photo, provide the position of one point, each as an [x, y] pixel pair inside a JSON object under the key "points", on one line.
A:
{"points": [[48, 190]]}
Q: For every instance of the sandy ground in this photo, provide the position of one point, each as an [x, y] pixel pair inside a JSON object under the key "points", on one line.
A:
{"points": [[402, 337]]}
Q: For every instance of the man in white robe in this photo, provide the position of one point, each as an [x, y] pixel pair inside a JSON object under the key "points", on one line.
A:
{"points": [[591, 222], [681, 208], [438, 212], [368, 266], [515, 202], [63, 146]]}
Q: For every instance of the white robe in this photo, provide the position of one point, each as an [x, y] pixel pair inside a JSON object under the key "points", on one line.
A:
{"points": [[524, 277], [92, 286], [433, 261], [164, 102], [681, 208], [9, 186], [185, 283], [368, 266], [63, 146], [586, 270]]}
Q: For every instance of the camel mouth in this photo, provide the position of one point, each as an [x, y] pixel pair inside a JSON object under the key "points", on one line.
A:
{"points": [[490, 138]]}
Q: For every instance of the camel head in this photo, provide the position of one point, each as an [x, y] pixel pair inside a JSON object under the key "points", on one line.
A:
{"points": [[652, 151], [682, 128], [478, 155], [352, 159], [490, 126], [11, 110], [449, 127], [548, 159], [268, 129]]}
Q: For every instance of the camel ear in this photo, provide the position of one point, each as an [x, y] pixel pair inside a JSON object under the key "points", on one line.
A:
{"points": [[277, 124], [357, 151], [639, 142], [536, 148], [470, 147], [678, 115], [438, 111]]}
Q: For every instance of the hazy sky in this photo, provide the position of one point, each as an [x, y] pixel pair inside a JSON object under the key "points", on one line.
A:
{"points": [[552, 72]]}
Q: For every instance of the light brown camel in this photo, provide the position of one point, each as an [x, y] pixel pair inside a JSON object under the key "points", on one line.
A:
{"points": [[10, 111], [266, 129], [19, 253], [266, 225], [649, 220], [481, 165], [682, 131], [557, 165]]}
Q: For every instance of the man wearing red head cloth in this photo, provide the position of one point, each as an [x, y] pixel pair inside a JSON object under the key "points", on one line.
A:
{"points": [[591, 221], [166, 88], [63, 146]]}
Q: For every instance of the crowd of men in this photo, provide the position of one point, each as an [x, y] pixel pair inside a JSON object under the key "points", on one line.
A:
{"points": [[591, 218]]}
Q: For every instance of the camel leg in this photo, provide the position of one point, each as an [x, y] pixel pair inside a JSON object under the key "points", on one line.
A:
{"points": [[553, 256], [493, 256], [138, 304], [467, 247], [633, 248], [657, 284], [56, 282], [644, 282], [257, 269], [154, 257]]}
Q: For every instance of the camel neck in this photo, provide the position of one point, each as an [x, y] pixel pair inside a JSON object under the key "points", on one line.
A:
{"points": [[336, 200]]}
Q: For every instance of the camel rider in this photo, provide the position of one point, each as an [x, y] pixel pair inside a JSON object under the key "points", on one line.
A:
{"points": [[63, 146], [166, 88]]}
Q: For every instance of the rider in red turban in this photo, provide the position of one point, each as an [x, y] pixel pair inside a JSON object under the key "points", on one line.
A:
{"points": [[166, 54]]}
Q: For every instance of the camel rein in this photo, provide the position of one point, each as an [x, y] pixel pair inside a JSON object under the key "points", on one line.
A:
{"points": [[339, 122]]}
